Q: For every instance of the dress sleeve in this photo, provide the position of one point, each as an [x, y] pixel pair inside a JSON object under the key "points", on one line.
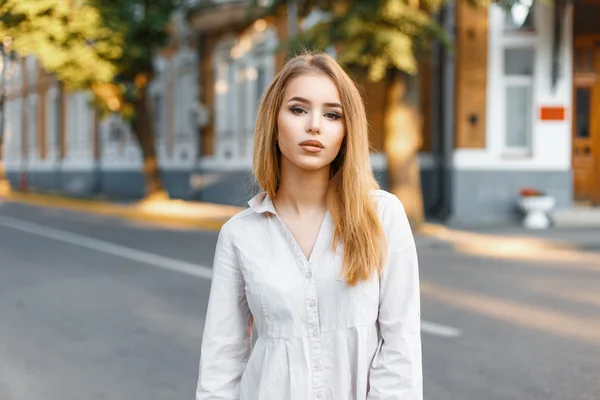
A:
{"points": [[227, 338], [396, 372]]}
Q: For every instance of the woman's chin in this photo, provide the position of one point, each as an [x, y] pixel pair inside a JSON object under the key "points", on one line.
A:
{"points": [[310, 165]]}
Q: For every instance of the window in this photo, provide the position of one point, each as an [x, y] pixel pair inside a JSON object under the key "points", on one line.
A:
{"points": [[520, 16], [586, 18], [116, 131], [52, 123], [185, 84], [18, 131], [518, 62], [518, 92], [32, 121], [242, 103], [261, 72], [70, 127], [12, 134], [86, 126], [158, 110], [243, 70], [582, 117], [261, 82]]}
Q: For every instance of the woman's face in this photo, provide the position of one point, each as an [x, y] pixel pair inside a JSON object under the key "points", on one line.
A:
{"points": [[310, 122]]}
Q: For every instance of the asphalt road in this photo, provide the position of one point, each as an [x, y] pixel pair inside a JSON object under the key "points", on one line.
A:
{"points": [[97, 308]]}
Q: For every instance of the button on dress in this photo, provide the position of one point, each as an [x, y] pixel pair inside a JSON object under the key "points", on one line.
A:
{"points": [[318, 338]]}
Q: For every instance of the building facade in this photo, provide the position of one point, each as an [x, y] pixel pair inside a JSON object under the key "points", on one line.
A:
{"points": [[513, 122], [510, 107]]}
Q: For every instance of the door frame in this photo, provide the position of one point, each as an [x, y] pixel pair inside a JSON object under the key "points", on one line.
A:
{"points": [[589, 79], [594, 133]]}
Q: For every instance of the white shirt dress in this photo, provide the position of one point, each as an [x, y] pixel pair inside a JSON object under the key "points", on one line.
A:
{"points": [[318, 338]]}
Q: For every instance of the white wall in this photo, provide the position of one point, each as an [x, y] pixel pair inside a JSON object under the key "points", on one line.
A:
{"points": [[79, 132], [13, 118], [12, 134], [118, 147], [551, 141]]}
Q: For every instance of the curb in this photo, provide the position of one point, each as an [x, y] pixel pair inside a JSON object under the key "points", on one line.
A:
{"points": [[506, 243], [134, 212], [430, 233]]}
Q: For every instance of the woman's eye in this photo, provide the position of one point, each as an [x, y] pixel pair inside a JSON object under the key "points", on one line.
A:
{"points": [[297, 110], [333, 116]]}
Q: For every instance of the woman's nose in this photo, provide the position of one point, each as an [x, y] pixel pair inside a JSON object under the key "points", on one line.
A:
{"points": [[313, 124]]}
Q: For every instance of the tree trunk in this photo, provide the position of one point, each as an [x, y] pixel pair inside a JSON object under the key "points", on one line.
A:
{"points": [[143, 130], [403, 139]]}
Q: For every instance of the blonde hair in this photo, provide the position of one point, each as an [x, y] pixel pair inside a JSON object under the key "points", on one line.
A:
{"points": [[356, 224]]}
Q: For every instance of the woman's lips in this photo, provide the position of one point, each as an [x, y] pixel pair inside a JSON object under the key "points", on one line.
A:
{"points": [[311, 149], [312, 146]]}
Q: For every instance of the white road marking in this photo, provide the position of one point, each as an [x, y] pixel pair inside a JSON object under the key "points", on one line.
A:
{"points": [[155, 260], [439, 330], [108, 248]]}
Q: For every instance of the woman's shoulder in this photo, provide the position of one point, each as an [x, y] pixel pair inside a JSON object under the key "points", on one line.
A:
{"points": [[387, 203], [239, 221], [244, 227], [382, 194], [394, 220]]}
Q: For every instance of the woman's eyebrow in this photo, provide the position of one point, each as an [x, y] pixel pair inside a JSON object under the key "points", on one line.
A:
{"points": [[303, 100]]}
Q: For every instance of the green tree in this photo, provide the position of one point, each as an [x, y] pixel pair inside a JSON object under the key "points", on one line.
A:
{"points": [[382, 40], [105, 46]]}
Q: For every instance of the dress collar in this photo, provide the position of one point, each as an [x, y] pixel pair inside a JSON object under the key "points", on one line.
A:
{"points": [[262, 203]]}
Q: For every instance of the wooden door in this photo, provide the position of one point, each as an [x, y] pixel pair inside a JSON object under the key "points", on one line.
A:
{"points": [[586, 120]]}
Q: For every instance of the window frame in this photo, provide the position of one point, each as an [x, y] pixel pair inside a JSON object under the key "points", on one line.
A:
{"points": [[519, 81], [518, 31], [515, 38], [236, 75]]}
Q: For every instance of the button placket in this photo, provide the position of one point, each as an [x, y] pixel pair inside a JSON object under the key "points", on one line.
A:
{"points": [[313, 323], [313, 329]]}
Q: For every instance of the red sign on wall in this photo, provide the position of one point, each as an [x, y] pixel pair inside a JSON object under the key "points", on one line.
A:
{"points": [[553, 113]]}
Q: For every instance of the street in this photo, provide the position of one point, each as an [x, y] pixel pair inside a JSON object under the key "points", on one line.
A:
{"points": [[93, 307]]}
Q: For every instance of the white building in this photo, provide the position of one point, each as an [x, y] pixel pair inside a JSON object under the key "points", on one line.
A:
{"points": [[511, 108]]}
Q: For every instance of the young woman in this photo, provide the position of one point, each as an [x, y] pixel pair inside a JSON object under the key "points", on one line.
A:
{"points": [[323, 262]]}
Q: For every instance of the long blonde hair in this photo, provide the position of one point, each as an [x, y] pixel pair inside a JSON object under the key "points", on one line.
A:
{"points": [[351, 179]]}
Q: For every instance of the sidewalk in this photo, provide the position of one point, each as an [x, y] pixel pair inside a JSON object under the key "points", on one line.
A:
{"points": [[172, 213], [500, 241]]}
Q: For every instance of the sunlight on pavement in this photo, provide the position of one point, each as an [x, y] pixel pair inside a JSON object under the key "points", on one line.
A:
{"points": [[182, 208], [520, 248], [156, 210], [516, 313], [584, 297], [508, 249]]}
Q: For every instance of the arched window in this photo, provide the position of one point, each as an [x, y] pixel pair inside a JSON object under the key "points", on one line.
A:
{"points": [[243, 68], [185, 93]]}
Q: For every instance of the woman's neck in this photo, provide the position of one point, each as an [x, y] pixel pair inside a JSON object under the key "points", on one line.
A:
{"points": [[302, 191]]}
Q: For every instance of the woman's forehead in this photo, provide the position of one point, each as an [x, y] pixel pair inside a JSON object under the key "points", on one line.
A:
{"points": [[314, 87]]}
